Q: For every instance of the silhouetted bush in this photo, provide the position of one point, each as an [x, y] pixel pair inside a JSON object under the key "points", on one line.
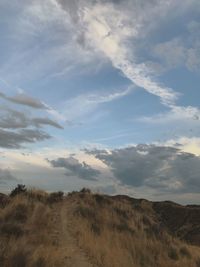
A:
{"points": [[20, 189], [85, 191]]}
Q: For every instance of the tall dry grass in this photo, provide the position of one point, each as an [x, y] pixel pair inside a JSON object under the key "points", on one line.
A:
{"points": [[116, 233], [113, 232], [26, 225]]}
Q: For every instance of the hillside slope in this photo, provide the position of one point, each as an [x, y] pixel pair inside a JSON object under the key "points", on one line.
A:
{"points": [[91, 230]]}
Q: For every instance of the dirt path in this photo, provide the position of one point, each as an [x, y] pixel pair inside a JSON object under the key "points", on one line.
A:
{"points": [[73, 256]]}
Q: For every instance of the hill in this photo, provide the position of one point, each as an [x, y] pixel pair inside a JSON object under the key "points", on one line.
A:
{"points": [[83, 229]]}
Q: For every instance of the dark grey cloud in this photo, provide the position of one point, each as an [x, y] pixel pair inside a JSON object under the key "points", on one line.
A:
{"points": [[164, 168], [75, 168], [6, 177], [23, 99], [16, 139], [18, 128], [13, 119]]}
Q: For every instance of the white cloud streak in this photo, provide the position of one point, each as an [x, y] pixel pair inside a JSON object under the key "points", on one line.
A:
{"points": [[110, 39]]}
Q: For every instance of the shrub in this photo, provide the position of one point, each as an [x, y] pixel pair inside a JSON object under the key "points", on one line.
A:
{"points": [[198, 262], [85, 191], [40, 262], [185, 252], [121, 213], [11, 229], [173, 254], [18, 213], [4, 200], [19, 259], [101, 200], [85, 212], [20, 189], [55, 197], [95, 228]]}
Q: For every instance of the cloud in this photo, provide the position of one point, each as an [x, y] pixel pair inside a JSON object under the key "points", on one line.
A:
{"points": [[110, 36], [23, 99], [176, 114], [46, 121], [18, 128], [13, 139], [166, 169], [75, 168], [116, 29], [182, 50], [172, 52], [84, 104], [14, 119]]}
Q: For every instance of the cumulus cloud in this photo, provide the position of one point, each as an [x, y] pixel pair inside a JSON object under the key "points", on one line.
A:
{"points": [[15, 139], [160, 167], [75, 168]]}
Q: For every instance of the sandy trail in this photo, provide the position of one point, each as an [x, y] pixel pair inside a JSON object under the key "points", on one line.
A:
{"points": [[72, 255]]}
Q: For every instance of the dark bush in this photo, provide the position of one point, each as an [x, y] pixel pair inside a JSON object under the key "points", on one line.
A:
{"points": [[95, 228], [85, 191], [55, 197], [121, 213], [124, 227], [185, 252], [198, 262], [4, 200], [85, 212], [11, 229], [146, 220], [173, 254], [101, 200], [40, 262], [20, 189], [19, 259], [19, 213]]}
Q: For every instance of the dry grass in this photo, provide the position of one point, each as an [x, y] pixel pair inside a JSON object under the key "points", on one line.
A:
{"points": [[113, 232], [25, 227], [118, 234]]}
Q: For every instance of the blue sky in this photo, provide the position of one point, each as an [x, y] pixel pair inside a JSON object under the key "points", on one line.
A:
{"points": [[81, 77]]}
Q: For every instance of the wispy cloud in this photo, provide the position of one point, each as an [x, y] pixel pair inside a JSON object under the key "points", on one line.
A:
{"points": [[109, 30], [25, 100], [80, 106]]}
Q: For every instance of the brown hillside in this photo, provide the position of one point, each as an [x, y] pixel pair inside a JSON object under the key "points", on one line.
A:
{"points": [[92, 230]]}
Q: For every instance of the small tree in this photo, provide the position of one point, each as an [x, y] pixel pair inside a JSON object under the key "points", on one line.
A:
{"points": [[21, 188]]}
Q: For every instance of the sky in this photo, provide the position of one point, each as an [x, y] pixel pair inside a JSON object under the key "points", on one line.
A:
{"points": [[101, 94]]}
